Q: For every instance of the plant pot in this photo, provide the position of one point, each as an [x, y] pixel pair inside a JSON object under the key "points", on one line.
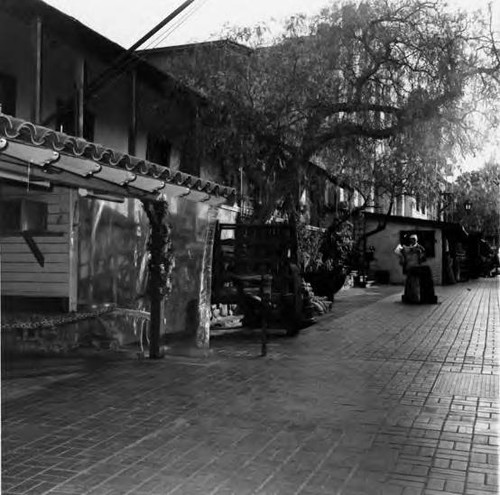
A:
{"points": [[325, 284], [359, 281]]}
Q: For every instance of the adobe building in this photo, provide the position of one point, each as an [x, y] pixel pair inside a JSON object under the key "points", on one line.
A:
{"points": [[83, 160]]}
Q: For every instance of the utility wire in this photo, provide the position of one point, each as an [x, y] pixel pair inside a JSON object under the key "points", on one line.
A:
{"points": [[179, 23], [159, 36], [102, 79], [108, 74], [138, 57]]}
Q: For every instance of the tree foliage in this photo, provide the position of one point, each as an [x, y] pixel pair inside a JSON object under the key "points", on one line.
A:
{"points": [[481, 188], [383, 93]]}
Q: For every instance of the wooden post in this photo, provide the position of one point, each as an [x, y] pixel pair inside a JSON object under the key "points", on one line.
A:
{"points": [[155, 326], [37, 97], [73, 249], [132, 131], [155, 290], [203, 330], [159, 269], [266, 306], [81, 83], [132, 135]]}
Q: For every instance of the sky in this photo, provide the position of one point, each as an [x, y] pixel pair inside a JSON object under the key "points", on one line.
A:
{"points": [[126, 21]]}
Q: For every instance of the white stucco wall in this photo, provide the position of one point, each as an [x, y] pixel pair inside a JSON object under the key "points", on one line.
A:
{"points": [[17, 59], [112, 109], [61, 67], [386, 241]]}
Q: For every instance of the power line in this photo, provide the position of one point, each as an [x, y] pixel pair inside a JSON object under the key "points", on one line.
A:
{"points": [[155, 41], [137, 57], [180, 23], [101, 80], [161, 37], [109, 74]]}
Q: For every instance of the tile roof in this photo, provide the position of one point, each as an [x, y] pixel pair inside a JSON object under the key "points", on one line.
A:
{"points": [[26, 132]]}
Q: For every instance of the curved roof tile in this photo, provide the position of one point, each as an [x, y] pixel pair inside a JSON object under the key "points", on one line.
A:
{"points": [[21, 130]]}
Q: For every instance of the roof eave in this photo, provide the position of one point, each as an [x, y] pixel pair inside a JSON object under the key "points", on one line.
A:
{"points": [[91, 163]]}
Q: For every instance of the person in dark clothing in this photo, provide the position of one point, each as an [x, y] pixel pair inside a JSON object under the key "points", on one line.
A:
{"points": [[419, 287]]}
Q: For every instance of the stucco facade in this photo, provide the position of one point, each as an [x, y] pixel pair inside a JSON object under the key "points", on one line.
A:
{"points": [[92, 250], [386, 241]]}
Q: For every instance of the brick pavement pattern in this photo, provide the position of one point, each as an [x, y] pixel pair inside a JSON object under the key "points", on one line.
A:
{"points": [[385, 399]]}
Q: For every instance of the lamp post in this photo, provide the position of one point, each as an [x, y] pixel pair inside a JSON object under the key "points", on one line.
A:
{"points": [[467, 219]]}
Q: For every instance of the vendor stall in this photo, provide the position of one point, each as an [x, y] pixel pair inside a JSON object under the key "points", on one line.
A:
{"points": [[85, 226]]}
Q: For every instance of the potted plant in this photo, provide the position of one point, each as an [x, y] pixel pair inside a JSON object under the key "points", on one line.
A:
{"points": [[325, 258]]}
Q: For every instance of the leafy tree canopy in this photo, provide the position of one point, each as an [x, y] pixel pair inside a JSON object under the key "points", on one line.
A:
{"points": [[481, 188], [382, 93]]}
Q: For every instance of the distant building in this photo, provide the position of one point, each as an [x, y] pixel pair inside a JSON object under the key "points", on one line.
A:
{"points": [[323, 198], [445, 242]]}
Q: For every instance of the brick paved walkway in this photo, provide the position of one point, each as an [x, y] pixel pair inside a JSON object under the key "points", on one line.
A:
{"points": [[387, 399]]}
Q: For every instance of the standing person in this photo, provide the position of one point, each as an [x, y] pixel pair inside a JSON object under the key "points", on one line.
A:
{"points": [[419, 287]]}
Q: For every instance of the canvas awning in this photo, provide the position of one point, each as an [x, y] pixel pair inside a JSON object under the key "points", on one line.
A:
{"points": [[38, 155]]}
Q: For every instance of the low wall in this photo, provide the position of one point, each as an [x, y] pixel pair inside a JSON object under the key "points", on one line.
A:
{"points": [[113, 270], [65, 334]]}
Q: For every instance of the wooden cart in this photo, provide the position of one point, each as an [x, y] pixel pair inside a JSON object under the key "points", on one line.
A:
{"points": [[247, 255]]}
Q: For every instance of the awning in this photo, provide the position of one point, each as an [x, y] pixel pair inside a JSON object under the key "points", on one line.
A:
{"points": [[36, 154]]}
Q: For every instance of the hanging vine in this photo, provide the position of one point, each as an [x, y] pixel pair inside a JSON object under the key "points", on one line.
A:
{"points": [[160, 247]]}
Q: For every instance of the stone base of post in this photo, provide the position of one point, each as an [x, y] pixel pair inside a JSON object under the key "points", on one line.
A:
{"points": [[187, 349]]}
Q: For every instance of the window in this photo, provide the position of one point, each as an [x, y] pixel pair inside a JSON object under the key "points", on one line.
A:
{"points": [[66, 121], [8, 94], [10, 216], [426, 238], [22, 215], [420, 204], [158, 150]]}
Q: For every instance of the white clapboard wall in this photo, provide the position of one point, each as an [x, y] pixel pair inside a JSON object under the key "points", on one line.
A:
{"points": [[21, 274]]}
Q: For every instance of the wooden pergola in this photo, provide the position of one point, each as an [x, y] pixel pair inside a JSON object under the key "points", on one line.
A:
{"points": [[35, 154]]}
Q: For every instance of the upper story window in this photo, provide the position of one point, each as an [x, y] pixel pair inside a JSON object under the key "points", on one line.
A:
{"points": [[8, 86], [420, 204], [158, 150], [67, 121], [399, 205]]}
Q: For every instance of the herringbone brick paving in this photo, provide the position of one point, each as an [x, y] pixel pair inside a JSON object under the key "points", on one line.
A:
{"points": [[385, 399]]}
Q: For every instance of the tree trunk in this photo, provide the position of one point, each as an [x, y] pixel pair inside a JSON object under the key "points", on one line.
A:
{"points": [[159, 247], [381, 225], [155, 292], [292, 207]]}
